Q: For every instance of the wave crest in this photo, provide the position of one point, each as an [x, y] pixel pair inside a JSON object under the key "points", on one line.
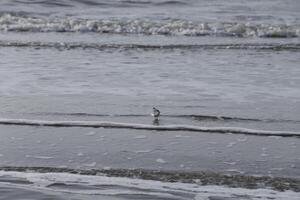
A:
{"points": [[18, 23], [104, 124]]}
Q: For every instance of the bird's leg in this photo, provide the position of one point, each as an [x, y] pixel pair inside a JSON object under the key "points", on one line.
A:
{"points": [[156, 122]]}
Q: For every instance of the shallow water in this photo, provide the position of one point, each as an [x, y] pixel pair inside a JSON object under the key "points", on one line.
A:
{"points": [[202, 63], [121, 148], [73, 186], [259, 84]]}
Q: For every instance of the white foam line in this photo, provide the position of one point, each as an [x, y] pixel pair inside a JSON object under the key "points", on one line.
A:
{"points": [[41, 181], [107, 124]]}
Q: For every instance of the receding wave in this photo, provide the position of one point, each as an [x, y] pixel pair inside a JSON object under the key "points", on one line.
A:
{"points": [[104, 124], [153, 183], [24, 23], [191, 116], [74, 45]]}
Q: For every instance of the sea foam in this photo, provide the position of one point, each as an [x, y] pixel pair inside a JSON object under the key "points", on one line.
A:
{"points": [[118, 186], [19, 23]]}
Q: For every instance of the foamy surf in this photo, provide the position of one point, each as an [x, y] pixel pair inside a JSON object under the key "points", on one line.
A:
{"points": [[128, 188], [108, 124], [22, 23]]}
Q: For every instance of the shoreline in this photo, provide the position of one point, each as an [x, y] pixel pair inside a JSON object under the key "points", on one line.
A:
{"points": [[202, 178], [121, 125]]}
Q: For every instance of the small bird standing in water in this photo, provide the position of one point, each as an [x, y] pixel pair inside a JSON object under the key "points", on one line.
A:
{"points": [[155, 114]]}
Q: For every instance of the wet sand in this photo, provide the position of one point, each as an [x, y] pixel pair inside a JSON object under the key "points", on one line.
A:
{"points": [[99, 148]]}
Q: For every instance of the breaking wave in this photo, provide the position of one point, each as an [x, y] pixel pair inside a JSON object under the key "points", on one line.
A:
{"points": [[104, 124], [172, 184], [23, 23]]}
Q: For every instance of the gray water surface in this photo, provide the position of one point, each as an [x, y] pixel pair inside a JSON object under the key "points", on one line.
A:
{"points": [[202, 63]]}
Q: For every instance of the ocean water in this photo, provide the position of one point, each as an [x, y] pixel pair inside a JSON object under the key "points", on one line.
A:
{"points": [[79, 78]]}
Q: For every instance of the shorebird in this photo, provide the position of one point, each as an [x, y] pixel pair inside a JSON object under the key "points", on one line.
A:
{"points": [[155, 114]]}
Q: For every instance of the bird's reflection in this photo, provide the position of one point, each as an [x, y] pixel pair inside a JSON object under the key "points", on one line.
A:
{"points": [[156, 122]]}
